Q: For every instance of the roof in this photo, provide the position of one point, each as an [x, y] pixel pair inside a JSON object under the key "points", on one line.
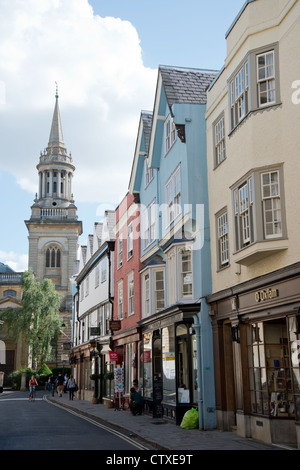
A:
{"points": [[146, 117], [56, 135], [4, 268], [186, 85]]}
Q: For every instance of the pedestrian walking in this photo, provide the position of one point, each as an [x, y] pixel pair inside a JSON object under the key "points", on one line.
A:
{"points": [[71, 387], [53, 383], [60, 384]]}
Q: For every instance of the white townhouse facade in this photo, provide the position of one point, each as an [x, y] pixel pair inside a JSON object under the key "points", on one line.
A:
{"points": [[93, 310], [253, 143]]}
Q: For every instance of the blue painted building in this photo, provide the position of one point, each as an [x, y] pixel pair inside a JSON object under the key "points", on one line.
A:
{"points": [[169, 180]]}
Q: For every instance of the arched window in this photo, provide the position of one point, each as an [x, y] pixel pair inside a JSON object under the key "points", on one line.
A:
{"points": [[48, 258], [53, 257], [9, 292], [58, 259]]}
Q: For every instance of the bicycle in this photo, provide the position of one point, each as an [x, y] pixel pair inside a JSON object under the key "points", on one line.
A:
{"points": [[32, 393]]}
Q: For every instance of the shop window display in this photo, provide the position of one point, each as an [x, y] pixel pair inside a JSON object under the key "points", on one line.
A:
{"points": [[183, 364], [169, 368], [274, 368], [147, 365]]}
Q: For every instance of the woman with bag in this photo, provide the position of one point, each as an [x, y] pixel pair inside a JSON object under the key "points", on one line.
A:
{"points": [[72, 387]]}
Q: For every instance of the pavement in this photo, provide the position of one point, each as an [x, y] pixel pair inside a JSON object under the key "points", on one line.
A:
{"points": [[160, 434]]}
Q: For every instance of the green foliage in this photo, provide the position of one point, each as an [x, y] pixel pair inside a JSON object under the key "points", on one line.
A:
{"points": [[17, 375], [109, 376], [38, 320], [43, 373], [44, 370]]}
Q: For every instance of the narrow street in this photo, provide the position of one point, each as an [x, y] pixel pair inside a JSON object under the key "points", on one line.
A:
{"points": [[41, 425]]}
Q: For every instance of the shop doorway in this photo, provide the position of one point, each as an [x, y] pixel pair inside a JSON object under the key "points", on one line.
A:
{"points": [[157, 377]]}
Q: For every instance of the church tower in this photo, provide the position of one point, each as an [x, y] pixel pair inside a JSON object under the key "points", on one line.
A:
{"points": [[53, 226]]}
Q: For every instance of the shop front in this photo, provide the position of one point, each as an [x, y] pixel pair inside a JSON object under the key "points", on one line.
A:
{"points": [[127, 345], [169, 364], [256, 330], [93, 371]]}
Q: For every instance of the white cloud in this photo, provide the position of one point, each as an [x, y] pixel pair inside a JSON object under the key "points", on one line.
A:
{"points": [[102, 82], [15, 261]]}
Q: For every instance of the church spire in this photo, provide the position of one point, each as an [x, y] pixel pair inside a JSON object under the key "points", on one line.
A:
{"points": [[56, 135]]}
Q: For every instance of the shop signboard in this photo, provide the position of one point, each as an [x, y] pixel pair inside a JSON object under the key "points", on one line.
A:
{"points": [[113, 356]]}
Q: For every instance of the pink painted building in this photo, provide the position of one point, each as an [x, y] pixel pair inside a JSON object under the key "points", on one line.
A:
{"points": [[127, 299]]}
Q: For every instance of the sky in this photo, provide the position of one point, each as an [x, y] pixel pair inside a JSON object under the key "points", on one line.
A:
{"points": [[104, 56]]}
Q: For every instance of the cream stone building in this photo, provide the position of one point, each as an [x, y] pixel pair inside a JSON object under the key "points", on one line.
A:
{"points": [[54, 227], [253, 142], [13, 353]]}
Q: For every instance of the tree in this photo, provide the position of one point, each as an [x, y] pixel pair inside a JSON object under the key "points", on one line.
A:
{"points": [[38, 319]]}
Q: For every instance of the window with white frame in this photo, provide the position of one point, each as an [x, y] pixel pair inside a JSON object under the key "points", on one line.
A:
{"points": [[266, 78], [146, 295], [104, 269], [255, 83], [97, 274], [271, 204], [170, 132], [173, 195], [159, 289], [243, 203], [149, 224], [131, 293], [107, 318], [148, 172], [223, 245], [239, 94], [258, 213], [130, 240], [219, 141], [120, 300], [120, 250], [186, 272]]}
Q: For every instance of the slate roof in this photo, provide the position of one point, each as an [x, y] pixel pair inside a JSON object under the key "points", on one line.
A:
{"points": [[147, 124], [4, 268], [186, 85]]}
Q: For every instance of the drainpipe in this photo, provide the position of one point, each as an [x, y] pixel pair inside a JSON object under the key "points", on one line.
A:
{"points": [[197, 327]]}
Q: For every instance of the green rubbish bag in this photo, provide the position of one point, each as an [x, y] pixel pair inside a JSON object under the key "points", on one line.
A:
{"points": [[190, 419]]}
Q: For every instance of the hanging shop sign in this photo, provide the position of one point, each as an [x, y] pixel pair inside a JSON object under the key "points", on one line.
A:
{"points": [[94, 331], [113, 356], [115, 325]]}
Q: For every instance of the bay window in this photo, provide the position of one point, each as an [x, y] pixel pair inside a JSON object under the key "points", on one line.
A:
{"points": [[258, 207], [254, 84]]}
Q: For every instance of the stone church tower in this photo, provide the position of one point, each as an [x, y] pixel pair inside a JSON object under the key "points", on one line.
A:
{"points": [[53, 226]]}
